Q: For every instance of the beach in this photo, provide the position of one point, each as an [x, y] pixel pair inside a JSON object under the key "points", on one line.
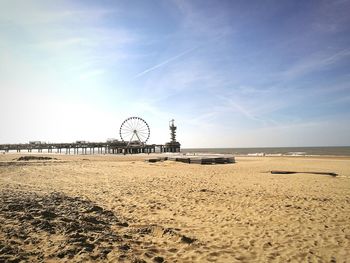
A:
{"points": [[116, 208]]}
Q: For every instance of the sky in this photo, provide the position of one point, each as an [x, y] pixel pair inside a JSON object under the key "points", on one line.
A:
{"points": [[231, 73]]}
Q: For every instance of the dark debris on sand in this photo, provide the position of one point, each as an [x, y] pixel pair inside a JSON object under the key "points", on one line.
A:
{"points": [[34, 158], [70, 227]]}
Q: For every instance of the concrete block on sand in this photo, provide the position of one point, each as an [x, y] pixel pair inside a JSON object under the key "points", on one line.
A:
{"points": [[203, 159]]}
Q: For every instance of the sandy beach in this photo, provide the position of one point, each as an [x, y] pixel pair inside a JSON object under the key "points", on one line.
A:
{"points": [[123, 209]]}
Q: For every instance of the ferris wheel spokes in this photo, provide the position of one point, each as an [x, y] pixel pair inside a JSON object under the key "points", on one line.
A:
{"points": [[134, 130]]}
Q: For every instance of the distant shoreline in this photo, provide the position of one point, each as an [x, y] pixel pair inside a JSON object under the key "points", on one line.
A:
{"points": [[276, 151]]}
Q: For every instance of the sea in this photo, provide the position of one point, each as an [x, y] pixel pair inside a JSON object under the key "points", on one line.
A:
{"points": [[276, 151]]}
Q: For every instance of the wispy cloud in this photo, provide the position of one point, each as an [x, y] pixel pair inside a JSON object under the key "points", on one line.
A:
{"points": [[240, 109], [200, 23], [314, 63], [250, 114], [165, 62]]}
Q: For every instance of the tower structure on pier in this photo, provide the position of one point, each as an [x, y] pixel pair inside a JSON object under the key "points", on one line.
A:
{"points": [[173, 145], [172, 131]]}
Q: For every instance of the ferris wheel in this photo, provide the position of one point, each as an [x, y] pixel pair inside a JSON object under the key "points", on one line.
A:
{"points": [[134, 130]]}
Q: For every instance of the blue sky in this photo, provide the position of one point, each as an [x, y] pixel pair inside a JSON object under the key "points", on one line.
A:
{"points": [[231, 73]]}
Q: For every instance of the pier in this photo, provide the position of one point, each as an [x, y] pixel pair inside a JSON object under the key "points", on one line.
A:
{"points": [[134, 133], [88, 148]]}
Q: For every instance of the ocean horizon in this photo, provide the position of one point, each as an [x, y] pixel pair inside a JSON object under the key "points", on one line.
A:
{"points": [[260, 151]]}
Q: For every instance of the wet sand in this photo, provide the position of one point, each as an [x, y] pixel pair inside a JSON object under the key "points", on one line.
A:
{"points": [[120, 208]]}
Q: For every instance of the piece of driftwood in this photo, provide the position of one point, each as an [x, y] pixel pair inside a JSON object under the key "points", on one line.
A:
{"points": [[157, 159], [293, 172]]}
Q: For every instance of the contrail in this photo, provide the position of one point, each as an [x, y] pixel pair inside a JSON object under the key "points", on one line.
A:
{"points": [[241, 109], [164, 62]]}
